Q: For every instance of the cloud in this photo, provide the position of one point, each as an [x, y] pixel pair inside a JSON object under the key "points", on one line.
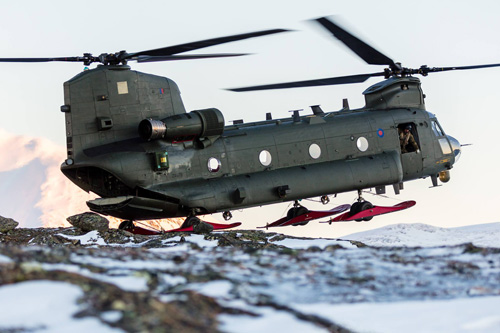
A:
{"points": [[18, 151], [34, 191]]}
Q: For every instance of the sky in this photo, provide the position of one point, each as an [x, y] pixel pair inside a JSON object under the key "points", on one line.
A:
{"points": [[444, 33]]}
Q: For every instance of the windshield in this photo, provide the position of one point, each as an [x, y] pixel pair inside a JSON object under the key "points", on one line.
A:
{"points": [[436, 128]]}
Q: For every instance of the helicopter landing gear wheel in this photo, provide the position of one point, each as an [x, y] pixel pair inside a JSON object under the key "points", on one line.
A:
{"points": [[359, 207], [190, 221], [296, 210], [227, 215], [325, 199], [126, 225]]}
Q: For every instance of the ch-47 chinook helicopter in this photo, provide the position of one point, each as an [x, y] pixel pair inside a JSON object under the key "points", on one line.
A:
{"points": [[131, 141]]}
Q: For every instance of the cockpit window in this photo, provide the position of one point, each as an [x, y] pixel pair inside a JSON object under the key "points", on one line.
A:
{"points": [[437, 129]]}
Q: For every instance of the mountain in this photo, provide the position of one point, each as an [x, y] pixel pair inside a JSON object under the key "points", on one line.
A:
{"points": [[424, 235]]}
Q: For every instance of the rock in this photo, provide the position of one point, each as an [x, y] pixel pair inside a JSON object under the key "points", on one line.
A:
{"points": [[89, 221], [207, 288], [118, 236], [202, 228], [7, 224]]}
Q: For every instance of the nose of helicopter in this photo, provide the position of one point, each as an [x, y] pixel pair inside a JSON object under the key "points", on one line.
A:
{"points": [[456, 147]]}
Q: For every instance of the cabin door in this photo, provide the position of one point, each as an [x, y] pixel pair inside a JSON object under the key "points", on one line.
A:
{"points": [[411, 155]]}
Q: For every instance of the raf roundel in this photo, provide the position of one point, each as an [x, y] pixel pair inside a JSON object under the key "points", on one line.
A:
{"points": [[380, 133]]}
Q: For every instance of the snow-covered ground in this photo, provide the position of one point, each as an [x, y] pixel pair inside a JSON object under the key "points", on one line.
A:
{"points": [[477, 315], [45, 306], [50, 306], [415, 278], [418, 234]]}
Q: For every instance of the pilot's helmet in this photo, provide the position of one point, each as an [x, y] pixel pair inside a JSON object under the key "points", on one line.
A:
{"points": [[408, 127]]}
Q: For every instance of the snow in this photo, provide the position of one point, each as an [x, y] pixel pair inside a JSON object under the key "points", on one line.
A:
{"points": [[217, 288], [121, 279], [457, 315], [5, 260], [90, 238], [45, 306], [268, 319], [195, 239], [174, 247], [201, 241], [418, 234], [362, 289], [125, 264], [172, 280], [298, 243], [94, 238], [265, 318], [111, 316]]}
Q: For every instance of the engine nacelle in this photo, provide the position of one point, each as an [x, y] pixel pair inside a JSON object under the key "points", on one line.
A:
{"points": [[198, 123]]}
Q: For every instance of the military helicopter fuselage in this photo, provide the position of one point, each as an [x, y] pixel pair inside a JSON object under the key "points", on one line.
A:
{"points": [[131, 141]]}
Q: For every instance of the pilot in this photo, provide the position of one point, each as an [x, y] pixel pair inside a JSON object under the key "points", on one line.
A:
{"points": [[407, 141]]}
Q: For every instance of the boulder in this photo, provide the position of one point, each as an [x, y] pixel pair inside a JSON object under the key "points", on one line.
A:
{"points": [[89, 222], [7, 224]]}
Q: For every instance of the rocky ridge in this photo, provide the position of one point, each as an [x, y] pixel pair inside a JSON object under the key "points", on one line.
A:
{"points": [[214, 282]]}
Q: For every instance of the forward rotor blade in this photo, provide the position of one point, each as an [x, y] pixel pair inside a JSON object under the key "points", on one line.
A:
{"points": [[444, 69], [186, 57], [170, 50], [72, 59], [312, 83], [363, 50]]}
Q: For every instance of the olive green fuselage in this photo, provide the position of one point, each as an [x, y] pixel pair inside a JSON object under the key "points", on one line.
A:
{"points": [[244, 165]]}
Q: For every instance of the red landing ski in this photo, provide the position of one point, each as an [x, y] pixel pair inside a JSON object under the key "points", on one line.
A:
{"points": [[376, 210], [145, 231], [309, 216]]}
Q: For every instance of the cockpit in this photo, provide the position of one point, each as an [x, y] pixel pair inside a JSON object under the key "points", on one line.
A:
{"points": [[447, 143]]}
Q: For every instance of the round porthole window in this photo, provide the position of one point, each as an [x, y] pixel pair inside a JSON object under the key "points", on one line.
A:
{"points": [[314, 151], [265, 158], [213, 164], [362, 144]]}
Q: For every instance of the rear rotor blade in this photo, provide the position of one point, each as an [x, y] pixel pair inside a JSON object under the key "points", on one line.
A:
{"points": [[363, 50], [186, 57], [312, 83], [170, 50], [162, 54], [71, 59]]}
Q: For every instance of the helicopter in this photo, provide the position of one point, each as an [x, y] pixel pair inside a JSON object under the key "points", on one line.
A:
{"points": [[130, 140]]}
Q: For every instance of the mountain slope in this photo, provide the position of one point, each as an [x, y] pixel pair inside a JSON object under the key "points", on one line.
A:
{"points": [[419, 234]]}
